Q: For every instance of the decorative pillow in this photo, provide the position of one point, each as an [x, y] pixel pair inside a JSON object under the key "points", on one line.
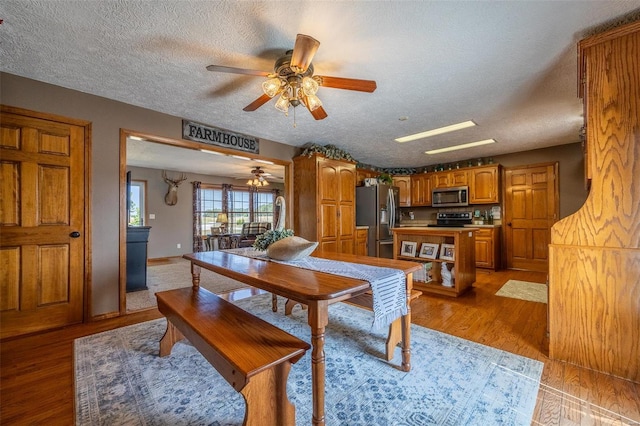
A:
{"points": [[291, 248]]}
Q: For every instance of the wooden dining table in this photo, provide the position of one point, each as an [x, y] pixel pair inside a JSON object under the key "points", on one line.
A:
{"points": [[316, 290]]}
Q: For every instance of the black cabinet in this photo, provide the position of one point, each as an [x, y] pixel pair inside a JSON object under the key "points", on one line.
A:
{"points": [[137, 238]]}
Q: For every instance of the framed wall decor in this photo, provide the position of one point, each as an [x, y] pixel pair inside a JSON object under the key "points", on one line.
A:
{"points": [[447, 252], [429, 250], [408, 248]]}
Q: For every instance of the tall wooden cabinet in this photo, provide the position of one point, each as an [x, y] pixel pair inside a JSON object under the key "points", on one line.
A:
{"points": [[594, 255], [324, 202]]}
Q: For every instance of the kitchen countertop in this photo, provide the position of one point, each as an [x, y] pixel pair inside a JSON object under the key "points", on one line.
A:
{"points": [[362, 227], [486, 225]]}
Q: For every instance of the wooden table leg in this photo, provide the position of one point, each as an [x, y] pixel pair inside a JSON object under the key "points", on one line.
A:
{"points": [[406, 328], [318, 319], [195, 276]]}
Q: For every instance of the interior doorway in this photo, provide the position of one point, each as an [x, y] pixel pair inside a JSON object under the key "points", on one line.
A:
{"points": [[531, 208], [190, 155]]}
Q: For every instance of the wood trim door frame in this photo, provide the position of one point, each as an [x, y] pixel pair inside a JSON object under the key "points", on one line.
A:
{"points": [[181, 143]]}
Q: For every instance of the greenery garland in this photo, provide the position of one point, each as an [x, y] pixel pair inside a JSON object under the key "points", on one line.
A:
{"points": [[269, 237], [329, 151]]}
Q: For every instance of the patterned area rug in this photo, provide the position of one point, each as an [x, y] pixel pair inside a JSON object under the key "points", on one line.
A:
{"points": [[121, 380], [525, 290], [177, 275]]}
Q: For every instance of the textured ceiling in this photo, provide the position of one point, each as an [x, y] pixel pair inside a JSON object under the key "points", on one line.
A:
{"points": [[509, 66]]}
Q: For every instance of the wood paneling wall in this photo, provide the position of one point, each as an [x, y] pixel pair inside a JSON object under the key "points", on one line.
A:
{"points": [[594, 271]]}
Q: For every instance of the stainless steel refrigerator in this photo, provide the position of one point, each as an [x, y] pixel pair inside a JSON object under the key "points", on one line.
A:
{"points": [[377, 208]]}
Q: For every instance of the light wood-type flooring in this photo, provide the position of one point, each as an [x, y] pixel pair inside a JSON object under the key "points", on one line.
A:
{"points": [[36, 380]]}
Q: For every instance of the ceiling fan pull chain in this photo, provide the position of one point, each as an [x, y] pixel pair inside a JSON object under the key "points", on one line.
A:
{"points": [[294, 117]]}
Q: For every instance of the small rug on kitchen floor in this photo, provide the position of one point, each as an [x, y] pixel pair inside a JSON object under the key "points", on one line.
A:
{"points": [[525, 290], [121, 380], [177, 274]]}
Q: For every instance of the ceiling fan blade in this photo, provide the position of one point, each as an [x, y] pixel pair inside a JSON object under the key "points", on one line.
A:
{"points": [[233, 70], [346, 83], [303, 52], [319, 113], [257, 103]]}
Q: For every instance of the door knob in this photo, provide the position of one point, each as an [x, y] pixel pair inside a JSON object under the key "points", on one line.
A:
{"points": [[74, 234], [509, 224]]}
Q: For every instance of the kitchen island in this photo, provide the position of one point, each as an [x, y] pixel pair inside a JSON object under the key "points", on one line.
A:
{"points": [[448, 256]]}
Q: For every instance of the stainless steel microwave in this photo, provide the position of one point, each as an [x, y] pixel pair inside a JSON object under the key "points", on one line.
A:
{"points": [[450, 197]]}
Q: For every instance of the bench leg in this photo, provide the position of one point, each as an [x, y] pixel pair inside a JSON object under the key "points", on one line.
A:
{"points": [[171, 336], [269, 407]]}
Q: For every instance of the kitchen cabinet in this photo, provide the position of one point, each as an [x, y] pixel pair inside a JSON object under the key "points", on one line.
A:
{"points": [[449, 178], [484, 185], [463, 267], [362, 241], [421, 189], [324, 202], [362, 174], [488, 248], [404, 184]]}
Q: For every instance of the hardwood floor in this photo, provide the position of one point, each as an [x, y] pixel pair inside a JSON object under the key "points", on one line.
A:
{"points": [[37, 378]]}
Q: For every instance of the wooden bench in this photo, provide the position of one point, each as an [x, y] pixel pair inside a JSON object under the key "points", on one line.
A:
{"points": [[364, 300], [254, 356]]}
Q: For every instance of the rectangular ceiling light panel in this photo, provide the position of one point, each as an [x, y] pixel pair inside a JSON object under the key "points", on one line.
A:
{"points": [[463, 146], [437, 131]]}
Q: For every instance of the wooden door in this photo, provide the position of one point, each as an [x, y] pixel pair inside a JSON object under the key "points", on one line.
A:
{"points": [[530, 210], [42, 222]]}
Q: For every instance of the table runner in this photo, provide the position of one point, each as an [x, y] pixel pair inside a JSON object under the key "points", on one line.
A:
{"points": [[387, 284]]}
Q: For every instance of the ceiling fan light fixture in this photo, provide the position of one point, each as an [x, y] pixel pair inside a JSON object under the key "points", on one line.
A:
{"points": [[272, 86], [309, 86], [313, 102], [283, 103]]}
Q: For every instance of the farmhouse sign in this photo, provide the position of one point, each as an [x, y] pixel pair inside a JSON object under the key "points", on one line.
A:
{"points": [[218, 137]]}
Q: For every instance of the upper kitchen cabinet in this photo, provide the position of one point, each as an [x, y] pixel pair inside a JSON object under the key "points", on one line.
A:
{"points": [[484, 185], [404, 184], [449, 178], [421, 189], [324, 202], [362, 174]]}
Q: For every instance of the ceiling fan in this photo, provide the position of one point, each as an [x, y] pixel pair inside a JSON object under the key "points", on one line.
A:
{"points": [[259, 177], [292, 78]]}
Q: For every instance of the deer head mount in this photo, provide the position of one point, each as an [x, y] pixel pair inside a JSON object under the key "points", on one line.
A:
{"points": [[172, 193]]}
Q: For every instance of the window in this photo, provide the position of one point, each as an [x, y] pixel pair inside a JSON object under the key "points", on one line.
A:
{"points": [[242, 205], [263, 211], [239, 210], [211, 205], [137, 202]]}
